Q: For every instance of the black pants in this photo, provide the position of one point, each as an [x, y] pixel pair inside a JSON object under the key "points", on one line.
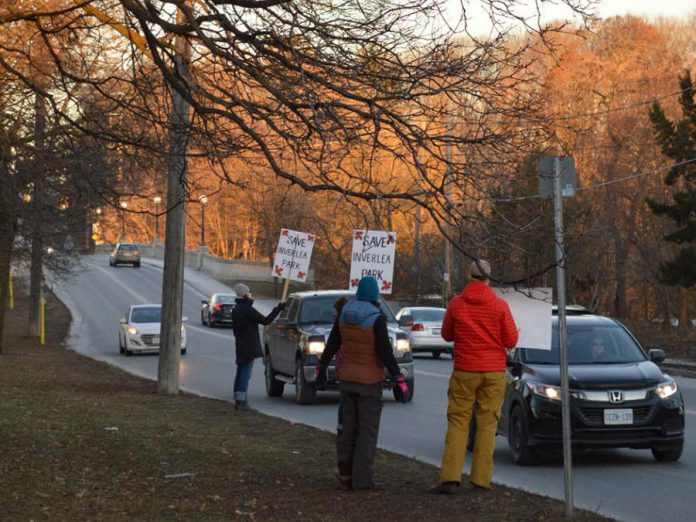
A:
{"points": [[357, 443]]}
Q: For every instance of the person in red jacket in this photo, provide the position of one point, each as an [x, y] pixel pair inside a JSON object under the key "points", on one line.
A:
{"points": [[482, 328]]}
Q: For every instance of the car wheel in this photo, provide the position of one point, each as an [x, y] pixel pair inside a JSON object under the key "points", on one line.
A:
{"points": [[183, 352], [411, 389], [670, 453], [121, 349], [522, 454], [436, 354], [203, 319], [136, 265], [305, 393], [127, 351], [274, 387]]}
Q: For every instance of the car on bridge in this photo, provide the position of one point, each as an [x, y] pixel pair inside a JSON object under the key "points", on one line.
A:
{"points": [[125, 254], [296, 339], [619, 397], [424, 327], [217, 309], [139, 330]]}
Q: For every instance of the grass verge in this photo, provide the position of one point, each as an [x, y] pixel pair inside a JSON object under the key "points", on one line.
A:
{"points": [[84, 441]]}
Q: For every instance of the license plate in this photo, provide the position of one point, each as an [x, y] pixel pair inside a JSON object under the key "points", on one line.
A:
{"points": [[437, 331], [617, 417]]}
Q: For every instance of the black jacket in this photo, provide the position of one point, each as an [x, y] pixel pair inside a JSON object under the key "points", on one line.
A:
{"points": [[245, 324]]}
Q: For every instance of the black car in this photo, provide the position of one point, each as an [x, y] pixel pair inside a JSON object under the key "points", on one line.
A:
{"points": [[619, 397], [217, 309], [294, 342]]}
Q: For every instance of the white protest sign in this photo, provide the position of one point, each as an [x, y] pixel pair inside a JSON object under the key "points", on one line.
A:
{"points": [[531, 308], [293, 254], [373, 254]]}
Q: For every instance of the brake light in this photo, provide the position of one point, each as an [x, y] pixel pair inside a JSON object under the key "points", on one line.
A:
{"points": [[218, 307], [418, 327]]}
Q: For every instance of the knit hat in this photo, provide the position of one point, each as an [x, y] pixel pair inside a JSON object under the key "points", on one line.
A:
{"points": [[241, 289], [368, 290], [479, 269]]}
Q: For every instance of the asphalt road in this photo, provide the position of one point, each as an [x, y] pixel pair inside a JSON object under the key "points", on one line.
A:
{"points": [[628, 484]]}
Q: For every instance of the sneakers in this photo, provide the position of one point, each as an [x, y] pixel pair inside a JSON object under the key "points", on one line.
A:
{"points": [[241, 406], [445, 488], [345, 480]]}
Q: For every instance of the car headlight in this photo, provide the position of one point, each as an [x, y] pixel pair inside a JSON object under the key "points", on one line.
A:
{"points": [[182, 329], [666, 389], [132, 331], [315, 347], [403, 346], [546, 391]]}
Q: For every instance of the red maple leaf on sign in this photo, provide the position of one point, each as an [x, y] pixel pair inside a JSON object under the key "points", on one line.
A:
{"points": [[386, 285], [310, 238], [358, 234], [278, 270], [390, 239], [301, 275], [353, 282], [285, 232]]}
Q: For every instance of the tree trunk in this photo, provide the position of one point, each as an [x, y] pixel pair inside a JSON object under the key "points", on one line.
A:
{"points": [[174, 248], [8, 230], [36, 270], [620, 255], [684, 301]]}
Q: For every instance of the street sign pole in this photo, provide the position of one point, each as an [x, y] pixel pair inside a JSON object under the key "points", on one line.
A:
{"points": [[563, 339]]}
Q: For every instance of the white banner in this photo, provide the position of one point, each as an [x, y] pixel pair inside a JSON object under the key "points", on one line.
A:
{"points": [[293, 254], [531, 308], [374, 253]]}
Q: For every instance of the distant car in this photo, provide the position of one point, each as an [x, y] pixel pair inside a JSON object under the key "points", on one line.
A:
{"points": [[217, 309], [294, 342], [619, 397], [139, 330], [125, 254], [424, 327]]}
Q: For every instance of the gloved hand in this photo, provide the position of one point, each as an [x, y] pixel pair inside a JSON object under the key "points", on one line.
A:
{"points": [[319, 377], [400, 389], [280, 306]]}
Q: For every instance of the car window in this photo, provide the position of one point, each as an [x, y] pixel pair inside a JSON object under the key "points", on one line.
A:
{"points": [[403, 312], [148, 314], [128, 248], [290, 311], [225, 298], [434, 315], [590, 344], [321, 309]]}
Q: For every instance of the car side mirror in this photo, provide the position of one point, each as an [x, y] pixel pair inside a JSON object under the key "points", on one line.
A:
{"points": [[406, 321], [123, 320], [203, 301], [657, 355], [184, 319]]}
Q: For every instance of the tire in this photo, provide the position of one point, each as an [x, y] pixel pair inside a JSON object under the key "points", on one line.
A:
{"points": [[305, 393], [411, 385], [274, 387], [670, 453], [127, 352], [436, 354], [183, 352], [137, 265], [518, 435], [121, 348], [203, 321]]}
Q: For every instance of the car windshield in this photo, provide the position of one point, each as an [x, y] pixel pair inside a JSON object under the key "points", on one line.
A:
{"points": [[148, 314], [589, 344], [225, 298], [425, 315], [320, 309], [128, 248]]}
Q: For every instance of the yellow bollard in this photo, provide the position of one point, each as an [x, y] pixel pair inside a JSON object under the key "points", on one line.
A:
{"points": [[43, 320], [11, 292]]}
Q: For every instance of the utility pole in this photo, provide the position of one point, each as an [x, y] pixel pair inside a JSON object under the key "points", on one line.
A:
{"points": [[173, 278]]}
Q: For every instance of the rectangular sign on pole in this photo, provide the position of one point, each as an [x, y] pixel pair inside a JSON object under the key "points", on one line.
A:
{"points": [[532, 310], [293, 254], [374, 253]]}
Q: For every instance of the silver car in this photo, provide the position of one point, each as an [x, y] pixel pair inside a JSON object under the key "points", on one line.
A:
{"points": [[125, 253], [424, 327], [139, 330]]}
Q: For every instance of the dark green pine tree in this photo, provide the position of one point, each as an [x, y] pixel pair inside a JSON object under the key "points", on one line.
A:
{"points": [[678, 142]]}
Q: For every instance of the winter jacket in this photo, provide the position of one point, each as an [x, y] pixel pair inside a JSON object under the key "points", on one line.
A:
{"points": [[245, 325], [481, 326], [362, 335]]}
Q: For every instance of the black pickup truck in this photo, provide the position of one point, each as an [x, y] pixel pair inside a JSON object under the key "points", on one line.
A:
{"points": [[294, 342]]}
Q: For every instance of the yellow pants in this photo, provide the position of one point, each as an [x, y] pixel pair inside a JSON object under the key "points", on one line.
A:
{"points": [[487, 390]]}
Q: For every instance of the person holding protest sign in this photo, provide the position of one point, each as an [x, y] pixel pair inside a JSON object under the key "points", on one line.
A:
{"points": [[482, 328], [362, 336], [245, 325]]}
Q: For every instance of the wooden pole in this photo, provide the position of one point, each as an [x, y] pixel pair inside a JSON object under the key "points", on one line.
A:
{"points": [[11, 291], [286, 286], [43, 320]]}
